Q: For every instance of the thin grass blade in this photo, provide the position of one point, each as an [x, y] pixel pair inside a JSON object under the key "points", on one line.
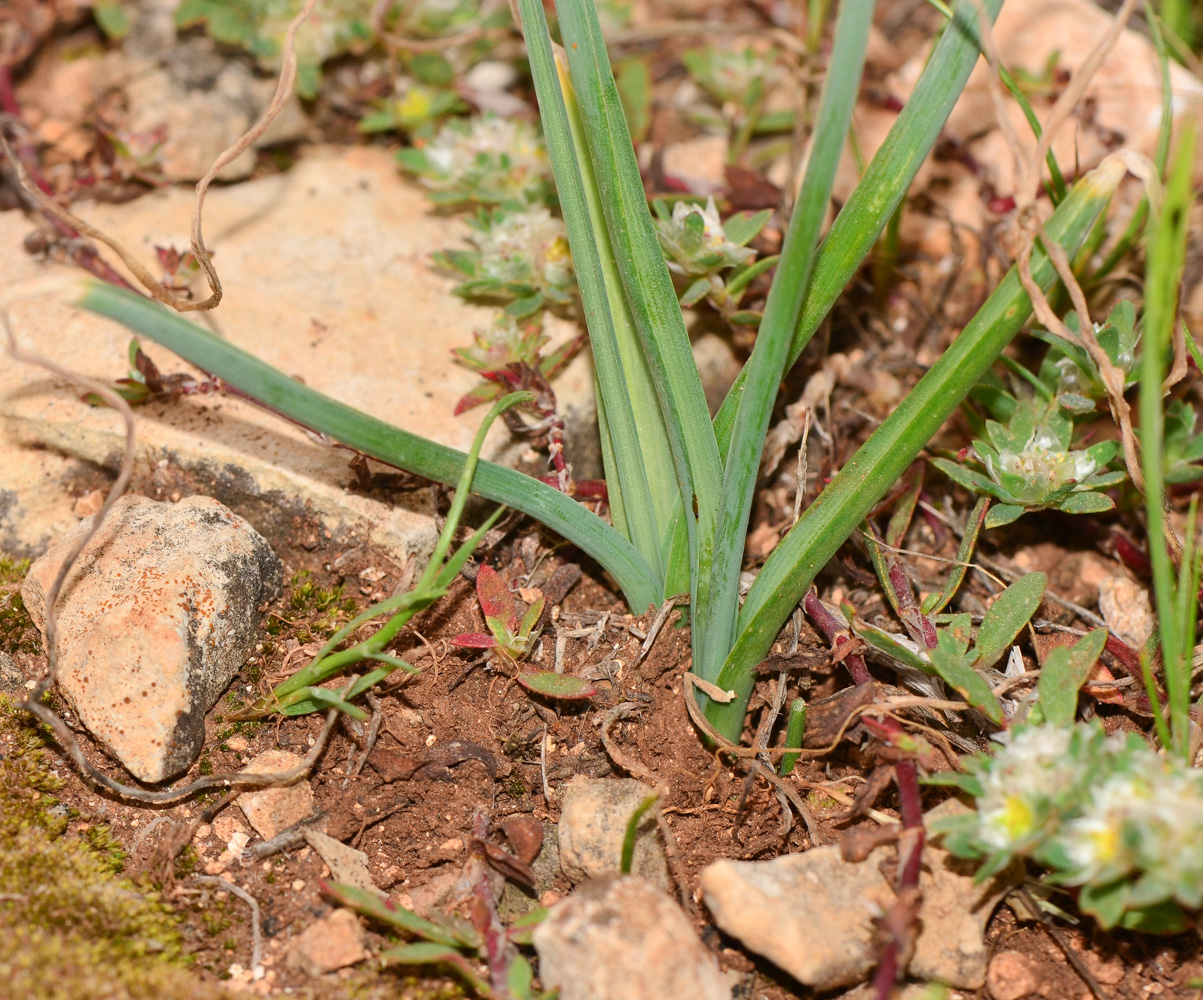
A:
{"points": [[782, 312]]}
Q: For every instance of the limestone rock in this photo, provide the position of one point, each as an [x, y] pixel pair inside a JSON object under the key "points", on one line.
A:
{"points": [[334, 942], [624, 939], [155, 618], [813, 914], [698, 163], [593, 826], [271, 810]]}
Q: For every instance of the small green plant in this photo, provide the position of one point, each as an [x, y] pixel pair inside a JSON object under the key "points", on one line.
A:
{"points": [[302, 692], [521, 261], [1029, 464], [259, 26], [699, 246], [739, 82], [455, 943], [1104, 814], [484, 160], [513, 635]]}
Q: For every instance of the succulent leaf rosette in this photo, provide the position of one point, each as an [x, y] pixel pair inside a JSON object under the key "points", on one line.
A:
{"points": [[1105, 814], [521, 259], [698, 245], [484, 160], [1029, 464]]}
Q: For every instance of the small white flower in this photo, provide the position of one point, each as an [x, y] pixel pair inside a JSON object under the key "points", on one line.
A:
{"points": [[525, 244]]}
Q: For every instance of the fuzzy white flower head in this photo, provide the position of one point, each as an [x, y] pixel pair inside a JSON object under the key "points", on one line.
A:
{"points": [[682, 249], [1042, 459], [1033, 767], [532, 242], [458, 149]]}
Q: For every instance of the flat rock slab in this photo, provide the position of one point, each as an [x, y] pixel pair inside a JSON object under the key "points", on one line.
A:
{"points": [[624, 939], [593, 826], [327, 276], [274, 809], [157, 615]]}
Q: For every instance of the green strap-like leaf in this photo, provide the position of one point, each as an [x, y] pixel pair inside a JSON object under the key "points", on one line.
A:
{"points": [[1010, 612], [376, 438], [1064, 671]]}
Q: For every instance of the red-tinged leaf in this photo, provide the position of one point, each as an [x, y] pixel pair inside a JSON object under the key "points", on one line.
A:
{"points": [[486, 392], [1107, 695], [474, 640], [562, 687], [495, 598]]}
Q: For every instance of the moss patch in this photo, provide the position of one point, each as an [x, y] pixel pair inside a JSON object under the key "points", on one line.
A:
{"points": [[17, 631], [70, 929]]}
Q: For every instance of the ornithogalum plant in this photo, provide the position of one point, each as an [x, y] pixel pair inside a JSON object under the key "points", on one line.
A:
{"points": [[681, 484]]}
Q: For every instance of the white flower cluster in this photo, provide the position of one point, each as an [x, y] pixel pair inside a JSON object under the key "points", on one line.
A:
{"points": [[1097, 809], [486, 159], [1044, 461], [530, 245], [693, 248]]}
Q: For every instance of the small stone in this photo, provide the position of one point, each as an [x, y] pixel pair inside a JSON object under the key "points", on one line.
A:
{"points": [[334, 942], [12, 681], [298, 885], [624, 939], [593, 826], [157, 615], [89, 504], [1011, 976], [237, 744], [224, 827], [1107, 971], [700, 164], [811, 914], [347, 865], [274, 809], [814, 914], [1125, 606]]}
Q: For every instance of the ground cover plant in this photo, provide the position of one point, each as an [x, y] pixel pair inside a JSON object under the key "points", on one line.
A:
{"points": [[681, 487]]}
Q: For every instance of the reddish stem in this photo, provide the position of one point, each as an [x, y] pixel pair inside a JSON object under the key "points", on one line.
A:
{"points": [[835, 633]]}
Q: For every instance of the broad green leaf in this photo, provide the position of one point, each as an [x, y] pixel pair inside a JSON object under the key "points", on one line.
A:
{"points": [[889, 644], [562, 687], [1086, 503], [1064, 672], [520, 979], [1002, 514], [743, 226], [967, 682], [1006, 616], [428, 953], [1106, 903], [965, 476]]}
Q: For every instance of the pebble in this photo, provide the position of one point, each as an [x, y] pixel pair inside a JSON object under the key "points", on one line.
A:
{"points": [[274, 809], [156, 617], [334, 942], [624, 939], [347, 865], [1125, 606], [593, 826], [1011, 976]]}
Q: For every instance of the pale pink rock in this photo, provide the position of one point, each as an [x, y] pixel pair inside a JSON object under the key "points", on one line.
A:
{"points": [[334, 942], [274, 809], [156, 617]]}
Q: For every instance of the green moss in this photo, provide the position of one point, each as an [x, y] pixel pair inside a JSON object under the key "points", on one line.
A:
{"points": [[69, 929], [18, 634], [318, 610]]}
